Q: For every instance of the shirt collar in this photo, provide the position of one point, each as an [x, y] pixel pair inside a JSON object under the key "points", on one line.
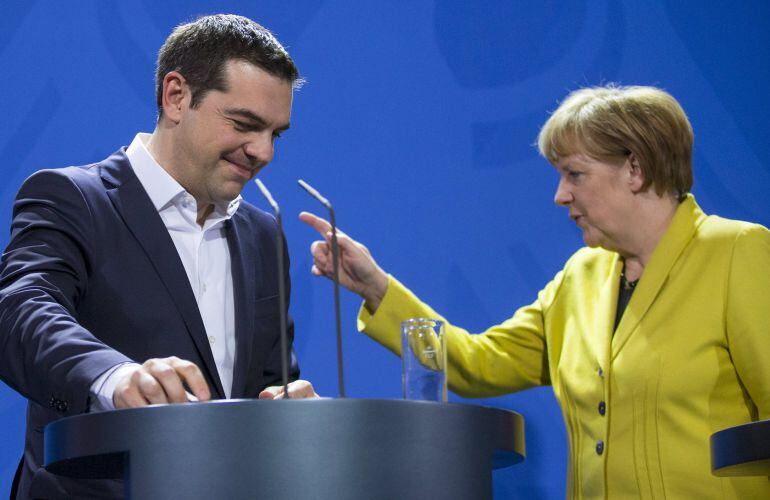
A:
{"points": [[160, 186]]}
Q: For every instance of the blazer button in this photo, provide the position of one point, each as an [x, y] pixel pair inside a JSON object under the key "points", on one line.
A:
{"points": [[600, 372], [600, 447], [602, 408]]}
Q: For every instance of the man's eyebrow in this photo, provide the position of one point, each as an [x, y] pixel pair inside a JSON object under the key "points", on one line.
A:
{"points": [[246, 114], [252, 117]]}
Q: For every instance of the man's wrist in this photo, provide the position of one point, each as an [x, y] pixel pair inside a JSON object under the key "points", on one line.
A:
{"points": [[103, 389]]}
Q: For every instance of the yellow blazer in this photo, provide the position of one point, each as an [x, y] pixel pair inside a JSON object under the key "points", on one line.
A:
{"points": [[691, 356]]}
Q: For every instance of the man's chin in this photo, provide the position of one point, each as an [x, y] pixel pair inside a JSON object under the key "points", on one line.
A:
{"points": [[225, 197]]}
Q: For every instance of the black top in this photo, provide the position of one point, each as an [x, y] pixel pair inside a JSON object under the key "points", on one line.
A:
{"points": [[624, 297]]}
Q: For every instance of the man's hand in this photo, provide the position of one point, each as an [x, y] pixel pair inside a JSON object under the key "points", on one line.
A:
{"points": [[299, 389], [159, 381], [359, 273]]}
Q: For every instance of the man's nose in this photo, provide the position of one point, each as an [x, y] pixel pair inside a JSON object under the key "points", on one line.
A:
{"points": [[563, 196], [259, 148]]}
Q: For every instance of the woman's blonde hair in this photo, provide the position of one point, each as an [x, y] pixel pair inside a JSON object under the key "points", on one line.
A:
{"points": [[609, 123]]}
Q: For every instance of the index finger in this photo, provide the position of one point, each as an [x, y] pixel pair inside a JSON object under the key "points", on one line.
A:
{"points": [[192, 376], [317, 223], [272, 392]]}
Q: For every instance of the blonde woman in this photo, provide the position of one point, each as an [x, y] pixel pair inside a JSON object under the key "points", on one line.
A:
{"points": [[653, 336]]}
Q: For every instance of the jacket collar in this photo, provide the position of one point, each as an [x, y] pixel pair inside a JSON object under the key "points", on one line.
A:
{"points": [[680, 232]]}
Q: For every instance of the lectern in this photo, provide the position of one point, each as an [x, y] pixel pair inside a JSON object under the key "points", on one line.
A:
{"points": [[295, 449], [743, 450]]}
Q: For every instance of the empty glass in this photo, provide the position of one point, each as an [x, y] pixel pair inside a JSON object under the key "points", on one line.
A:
{"points": [[423, 357]]}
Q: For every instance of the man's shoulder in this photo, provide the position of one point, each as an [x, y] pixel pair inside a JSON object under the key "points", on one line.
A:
{"points": [[81, 177]]}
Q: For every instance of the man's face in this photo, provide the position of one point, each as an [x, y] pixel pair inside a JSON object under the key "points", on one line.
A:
{"points": [[224, 142]]}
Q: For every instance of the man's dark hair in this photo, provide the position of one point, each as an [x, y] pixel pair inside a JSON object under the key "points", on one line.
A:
{"points": [[200, 49]]}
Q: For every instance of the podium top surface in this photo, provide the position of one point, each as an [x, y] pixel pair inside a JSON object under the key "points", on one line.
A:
{"points": [[743, 450], [94, 445]]}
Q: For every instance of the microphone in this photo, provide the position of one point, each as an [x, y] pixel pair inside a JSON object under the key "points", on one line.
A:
{"points": [[336, 262], [281, 287]]}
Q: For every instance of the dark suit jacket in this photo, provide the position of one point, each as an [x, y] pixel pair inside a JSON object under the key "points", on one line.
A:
{"points": [[91, 278]]}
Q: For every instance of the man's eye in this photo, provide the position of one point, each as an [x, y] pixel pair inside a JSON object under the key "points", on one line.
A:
{"points": [[245, 127], [574, 175]]}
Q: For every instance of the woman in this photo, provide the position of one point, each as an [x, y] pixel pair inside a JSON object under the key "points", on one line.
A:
{"points": [[653, 337]]}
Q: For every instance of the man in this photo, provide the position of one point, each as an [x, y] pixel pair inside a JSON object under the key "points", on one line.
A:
{"points": [[145, 278]]}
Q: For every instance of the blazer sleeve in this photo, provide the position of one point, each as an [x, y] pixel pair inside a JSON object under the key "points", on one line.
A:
{"points": [[748, 314], [44, 353], [508, 357]]}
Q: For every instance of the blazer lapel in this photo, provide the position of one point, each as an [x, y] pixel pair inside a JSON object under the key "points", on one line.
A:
{"points": [[605, 312], [656, 272], [131, 201], [244, 262]]}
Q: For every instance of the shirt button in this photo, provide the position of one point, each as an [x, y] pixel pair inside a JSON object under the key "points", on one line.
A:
{"points": [[212, 339], [600, 447], [602, 408], [203, 287]]}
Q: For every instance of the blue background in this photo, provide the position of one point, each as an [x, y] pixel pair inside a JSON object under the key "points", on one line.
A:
{"points": [[418, 122]]}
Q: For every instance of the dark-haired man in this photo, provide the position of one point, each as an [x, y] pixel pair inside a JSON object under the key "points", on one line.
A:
{"points": [[129, 281]]}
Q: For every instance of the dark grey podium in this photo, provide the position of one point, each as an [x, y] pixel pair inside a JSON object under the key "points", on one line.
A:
{"points": [[327, 448], [743, 450]]}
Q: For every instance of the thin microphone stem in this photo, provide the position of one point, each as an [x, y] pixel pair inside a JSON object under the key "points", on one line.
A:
{"points": [[336, 278], [337, 314], [281, 288]]}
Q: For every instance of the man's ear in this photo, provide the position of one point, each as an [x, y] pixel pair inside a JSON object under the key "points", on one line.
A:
{"points": [[175, 96], [636, 175]]}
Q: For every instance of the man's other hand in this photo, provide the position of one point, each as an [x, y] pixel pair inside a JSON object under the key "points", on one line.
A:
{"points": [[159, 381], [299, 389]]}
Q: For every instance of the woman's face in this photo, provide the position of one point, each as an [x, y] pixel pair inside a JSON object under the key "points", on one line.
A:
{"points": [[599, 198]]}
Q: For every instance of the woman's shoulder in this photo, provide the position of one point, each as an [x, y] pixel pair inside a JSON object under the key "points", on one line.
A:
{"points": [[587, 262], [720, 230], [588, 256]]}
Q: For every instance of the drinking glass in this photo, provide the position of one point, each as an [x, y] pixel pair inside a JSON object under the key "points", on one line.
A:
{"points": [[423, 357]]}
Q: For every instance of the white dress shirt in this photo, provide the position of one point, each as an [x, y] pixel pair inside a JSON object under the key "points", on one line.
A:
{"points": [[206, 259]]}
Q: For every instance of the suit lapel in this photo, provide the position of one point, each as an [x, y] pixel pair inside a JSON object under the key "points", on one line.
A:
{"points": [[679, 233], [245, 260], [131, 201], [606, 309]]}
